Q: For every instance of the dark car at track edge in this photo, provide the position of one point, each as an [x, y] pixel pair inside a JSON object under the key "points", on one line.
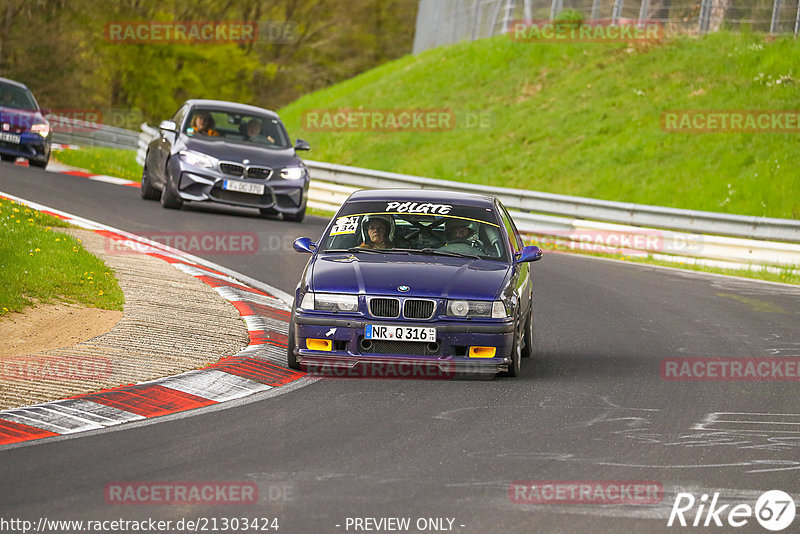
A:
{"points": [[227, 153], [416, 278], [24, 130]]}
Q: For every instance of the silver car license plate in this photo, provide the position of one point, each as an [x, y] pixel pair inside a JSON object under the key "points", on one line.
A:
{"points": [[244, 187]]}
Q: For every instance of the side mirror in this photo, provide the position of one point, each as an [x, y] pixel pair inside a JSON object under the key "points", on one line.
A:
{"points": [[46, 111], [304, 244], [529, 253], [301, 145], [168, 126]]}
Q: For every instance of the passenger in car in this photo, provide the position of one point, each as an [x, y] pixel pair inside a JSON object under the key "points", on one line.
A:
{"points": [[458, 237], [253, 130]]}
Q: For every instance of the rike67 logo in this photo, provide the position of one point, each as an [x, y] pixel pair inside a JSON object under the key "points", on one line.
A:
{"points": [[774, 510]]}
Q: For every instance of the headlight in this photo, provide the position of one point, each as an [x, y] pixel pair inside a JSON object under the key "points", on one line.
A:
{"points": [[41, 129], [293, 173], [476, 308], [198, 159], [329, 302]]}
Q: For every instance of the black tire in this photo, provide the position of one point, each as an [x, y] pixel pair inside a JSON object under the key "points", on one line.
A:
{"points": [[527, 348], [6, 157], [295, 217], [148, 191], [40, 163], [291, 359], [169, 198], [516, 356], [268, 212]]}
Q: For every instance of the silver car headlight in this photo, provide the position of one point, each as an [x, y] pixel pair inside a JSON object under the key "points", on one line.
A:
{"points": [[293, 173], [198, 159], [477, 308], [332, 302]]}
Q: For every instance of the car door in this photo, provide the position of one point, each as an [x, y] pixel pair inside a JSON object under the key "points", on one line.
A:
{"points": [[162, 147], [521, 271]]}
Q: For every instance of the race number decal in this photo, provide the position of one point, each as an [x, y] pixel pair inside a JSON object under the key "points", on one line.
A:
{"points": [[345, 225]]}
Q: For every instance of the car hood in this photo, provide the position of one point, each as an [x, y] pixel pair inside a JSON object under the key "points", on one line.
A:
{"points": [[379, 274], [238, 152], [20, 118]]}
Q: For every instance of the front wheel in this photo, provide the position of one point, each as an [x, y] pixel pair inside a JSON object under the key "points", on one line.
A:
{"points": [[516, 356], [6, 157], [291, 359], [40, 163], [148, 191], [527, 349], [169, 197], [295, 217], [268, 212]]}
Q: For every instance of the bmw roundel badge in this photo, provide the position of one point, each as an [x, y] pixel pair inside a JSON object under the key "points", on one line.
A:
{"points": [[403, 289]]}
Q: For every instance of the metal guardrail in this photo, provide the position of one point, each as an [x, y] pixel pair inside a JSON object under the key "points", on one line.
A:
{"points": [[69, 131], [701, 222], [583, 223]]}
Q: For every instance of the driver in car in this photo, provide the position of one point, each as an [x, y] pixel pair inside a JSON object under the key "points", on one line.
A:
{"points": [[377, 232], [203, 123]]}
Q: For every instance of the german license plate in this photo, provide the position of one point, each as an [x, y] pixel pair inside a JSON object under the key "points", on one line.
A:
{"points": [[243, 187], [9, 137], [423, 334]]}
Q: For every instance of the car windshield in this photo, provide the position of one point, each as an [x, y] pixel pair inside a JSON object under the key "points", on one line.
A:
{"points": [[237, 127], [417, 228], [16, 97]]}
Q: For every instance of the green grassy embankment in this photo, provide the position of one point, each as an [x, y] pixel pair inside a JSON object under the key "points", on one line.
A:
{"points": [[40, 265], [583, 119]]}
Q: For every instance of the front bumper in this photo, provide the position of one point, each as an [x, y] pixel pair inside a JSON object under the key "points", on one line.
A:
{"points": [[206, 185], [31, 145], [351, 357]]}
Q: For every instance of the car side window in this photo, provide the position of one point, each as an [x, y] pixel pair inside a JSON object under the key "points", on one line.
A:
{"points": [[515, 241]]}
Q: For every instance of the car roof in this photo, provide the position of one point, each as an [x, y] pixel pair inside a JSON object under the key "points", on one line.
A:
{"points": [[230, 106], [14, 82], [423, 195]]}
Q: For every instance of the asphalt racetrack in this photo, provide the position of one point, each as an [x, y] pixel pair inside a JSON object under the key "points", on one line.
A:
{"points": [[591, 406]]}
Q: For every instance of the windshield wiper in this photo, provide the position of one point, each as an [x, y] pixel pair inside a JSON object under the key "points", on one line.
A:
{"points": [[374, 250], [437, 252]]}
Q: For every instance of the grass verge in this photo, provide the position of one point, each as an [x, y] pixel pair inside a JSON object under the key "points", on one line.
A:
{"points": [[101, 160], [784, 275], [581, 119], [39, 264]]}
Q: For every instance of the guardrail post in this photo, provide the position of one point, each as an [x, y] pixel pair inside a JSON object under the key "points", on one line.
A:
{"points": [[644, 9], [616, 12], [797, 19], [776, 7], [705, 16], [527, 10], [556, 7]]}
